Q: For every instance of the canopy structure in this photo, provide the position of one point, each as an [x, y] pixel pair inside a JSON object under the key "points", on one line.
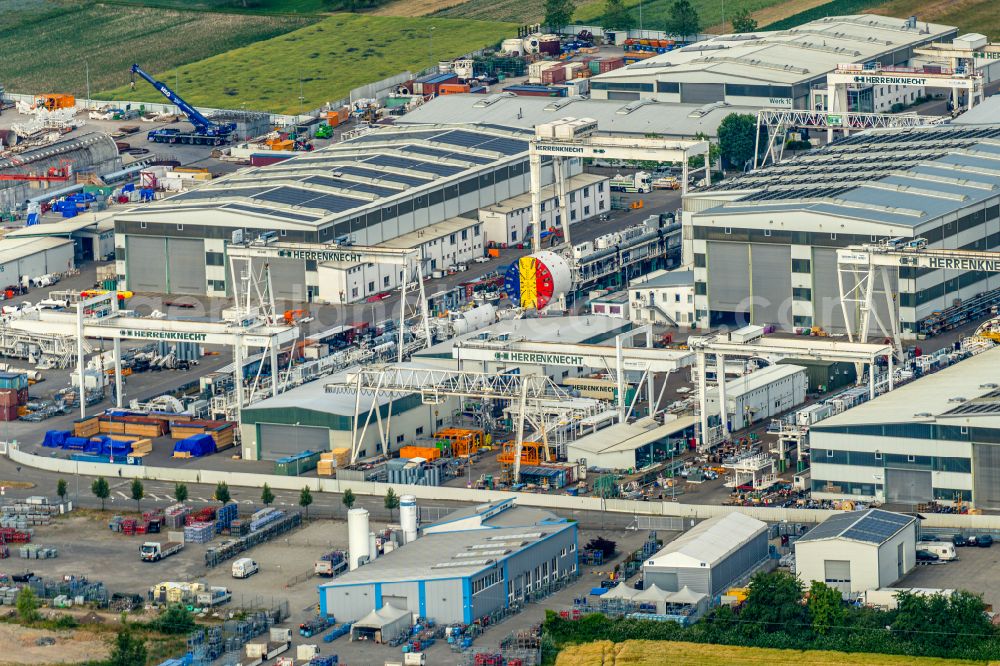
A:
{"points": [[686, 596], [622, 592], [382, 625], [653, 595]]}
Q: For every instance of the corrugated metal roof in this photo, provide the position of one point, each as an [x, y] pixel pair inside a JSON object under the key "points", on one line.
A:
{"points": [[12, 249], [708, 543]]}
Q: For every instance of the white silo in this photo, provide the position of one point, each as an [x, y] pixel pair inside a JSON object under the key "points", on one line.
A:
{"points": [[372, 547], [357, 536], [408, 517]]}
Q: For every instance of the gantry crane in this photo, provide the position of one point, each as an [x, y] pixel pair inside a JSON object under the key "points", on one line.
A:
{"points": [[206, 132]]}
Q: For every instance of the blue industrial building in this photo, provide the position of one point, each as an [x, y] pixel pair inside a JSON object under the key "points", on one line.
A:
{"points": [[473, 563]]}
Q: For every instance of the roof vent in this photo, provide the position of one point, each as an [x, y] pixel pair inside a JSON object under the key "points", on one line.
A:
{"points": [[990, 385], [956, 399], [922, 415]]}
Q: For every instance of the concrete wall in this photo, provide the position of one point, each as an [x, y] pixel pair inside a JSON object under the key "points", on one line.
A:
{"points": [[559, 503]]}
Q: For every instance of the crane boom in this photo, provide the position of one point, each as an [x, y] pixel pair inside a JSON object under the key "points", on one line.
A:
{"points": [[205, 129]]}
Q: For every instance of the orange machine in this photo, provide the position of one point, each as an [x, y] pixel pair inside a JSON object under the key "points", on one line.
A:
{"points": [[338, 116], [463, 442], [453, 88], [531, 453], [55, 101], [294, 315]]}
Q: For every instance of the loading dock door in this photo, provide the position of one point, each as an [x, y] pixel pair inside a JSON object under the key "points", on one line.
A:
{"points": [[838, 575], [728, 287], [771, 283], [277, 441], [908, 486], [146, 259], [186, 261]]}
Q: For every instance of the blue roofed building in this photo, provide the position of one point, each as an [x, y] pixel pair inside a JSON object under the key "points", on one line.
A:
{"points": [[858, 550]]}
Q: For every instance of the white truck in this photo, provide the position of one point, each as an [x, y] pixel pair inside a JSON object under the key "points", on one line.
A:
{"points": [[640, 181], [154, 551], [885, 597]]}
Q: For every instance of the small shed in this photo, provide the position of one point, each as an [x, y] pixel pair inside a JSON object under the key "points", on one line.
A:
{"points": [[382, 625]]}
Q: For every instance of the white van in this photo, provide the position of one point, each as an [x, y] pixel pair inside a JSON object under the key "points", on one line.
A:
{"points": [[944, 550], [244, 568]]}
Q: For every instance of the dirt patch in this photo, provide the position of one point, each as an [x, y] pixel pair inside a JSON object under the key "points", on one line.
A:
{"points": [[414, 7], [24, 485], [774, 13], [70, 647]]}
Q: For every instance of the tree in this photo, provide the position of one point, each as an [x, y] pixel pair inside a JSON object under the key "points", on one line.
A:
{"points": [[101, 490], [176, 619], [349, 499], [266, 496], [127, 649], [391, 501], [737, 139], [606, 546], [714, 151], [305, 499], [826, 607], [743, 21], [222, 493], [558, 14], [180, 492], [683, 20], [774, 602], [617, 16], [27, 605], [61, 489], [138, 492]]}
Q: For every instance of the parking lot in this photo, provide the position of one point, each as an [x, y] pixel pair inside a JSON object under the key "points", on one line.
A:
{"points": [[975, 570]]}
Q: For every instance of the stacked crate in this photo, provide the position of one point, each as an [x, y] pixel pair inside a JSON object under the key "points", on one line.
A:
{"points": [[174, 515], [199, 532], [34, 552], [87, 427], [239, 528], [225, 517], [329, 461], [264, 517]]}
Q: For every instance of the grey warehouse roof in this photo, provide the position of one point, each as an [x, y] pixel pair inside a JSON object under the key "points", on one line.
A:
{"points": [[783, 57], [904, 177], [709, 542], [871, 526], [613, 117], [985, 113], [369, 171], [450, 554], [677, 278]]}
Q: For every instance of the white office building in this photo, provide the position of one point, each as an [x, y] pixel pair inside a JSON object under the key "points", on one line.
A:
{"points": [[663, 297], [759, 395]]}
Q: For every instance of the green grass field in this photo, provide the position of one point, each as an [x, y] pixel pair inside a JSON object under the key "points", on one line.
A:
{"points": [[250, 6], [47, 46], [330, 58]]}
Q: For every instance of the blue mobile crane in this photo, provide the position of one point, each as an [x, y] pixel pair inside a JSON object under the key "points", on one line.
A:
{"points": [[206, 132]]}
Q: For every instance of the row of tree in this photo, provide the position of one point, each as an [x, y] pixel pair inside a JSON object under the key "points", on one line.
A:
{"points": [[683, 20], [102, 490], [780, 613]]}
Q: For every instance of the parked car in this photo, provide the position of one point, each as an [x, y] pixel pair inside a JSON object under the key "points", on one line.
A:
{"points": [[983, 540], [481, 260], [959, 541], [926, 556], [929, 537]]}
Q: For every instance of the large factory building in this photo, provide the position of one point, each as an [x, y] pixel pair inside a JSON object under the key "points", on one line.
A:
{"points": [[413, 185], [781, 226], [777, 69]]}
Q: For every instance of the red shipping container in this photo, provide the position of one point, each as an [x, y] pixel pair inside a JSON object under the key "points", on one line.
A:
{"points": [[8, 413], [609, 64], [553, 75], [8, 397]]}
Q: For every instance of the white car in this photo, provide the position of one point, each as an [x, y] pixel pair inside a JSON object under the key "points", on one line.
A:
{"points": [[481, 260]]}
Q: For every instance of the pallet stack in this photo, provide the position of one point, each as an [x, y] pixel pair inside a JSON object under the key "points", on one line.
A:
{"points": [[87, 427], [13, 394], [142, 447], [329, 461], [34, 552], [199, 532], [264, 517], [174, 516], [225, 517]]}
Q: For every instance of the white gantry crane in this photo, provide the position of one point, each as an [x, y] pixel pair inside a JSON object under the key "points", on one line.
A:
{"points": [[860, 267], [532, 393]]}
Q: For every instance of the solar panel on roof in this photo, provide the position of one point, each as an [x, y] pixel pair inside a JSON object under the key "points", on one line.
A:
{"points": [[414, 165], [296, 197], [383, 175], [351, 185], [270, 212], [213, 192], [505, 146]]}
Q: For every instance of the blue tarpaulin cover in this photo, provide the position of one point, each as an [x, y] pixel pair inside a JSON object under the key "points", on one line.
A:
{"points": [[55, 439], [196, 445]]}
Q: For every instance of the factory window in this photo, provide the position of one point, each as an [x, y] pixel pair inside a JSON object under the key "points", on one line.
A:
{"points": [[371, 286], [878, 455], [572, 197], [451, 192], [600, 186], [802, 321], [586, 210], [385, 281], [767, 232], [486, 179], [214, 259], [451, 239], [699, 260], [586, 191], [475, 230], [180, 227], [142, 225], [543, 206], [284, 232], [600, 205], [436, 197], [668, 87], [217, 285], [833, 236], [572, 215], [119, 253], [400, 438], [802, 294], [911, 458], [562, 553], [468, 186], [310, 264], [729, 230], [354, 292], [801, 266], [439, 422], [373, 218], [405, 207], [565, 374], [465, 234], [420, 431]]}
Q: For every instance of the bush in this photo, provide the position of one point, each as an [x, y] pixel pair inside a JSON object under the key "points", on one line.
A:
{"points": [[176, 619]]}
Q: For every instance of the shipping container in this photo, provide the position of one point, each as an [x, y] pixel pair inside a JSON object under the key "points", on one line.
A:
{"points": [[553, 75], [535, 91], [452, 88], [265, 159], [608, 65], [428, 85]]}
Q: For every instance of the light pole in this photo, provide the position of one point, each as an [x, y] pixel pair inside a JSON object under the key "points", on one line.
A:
{"points": [[87, 64], [302, 98]]}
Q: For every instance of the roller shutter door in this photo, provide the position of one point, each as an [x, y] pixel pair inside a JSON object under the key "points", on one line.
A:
{"points": [[186, 263], [702, 93], [986, 475], [623, 96], [908, 486], [838, 575], [278, 441], [826, 294], [288, 277], [771, 284], [728, 268], [146, 264]]}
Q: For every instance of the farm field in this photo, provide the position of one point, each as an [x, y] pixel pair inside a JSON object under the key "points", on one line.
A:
{"points": [[969, 15], [47, 46], [324, 61], [654, 653], [250, 7]]}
